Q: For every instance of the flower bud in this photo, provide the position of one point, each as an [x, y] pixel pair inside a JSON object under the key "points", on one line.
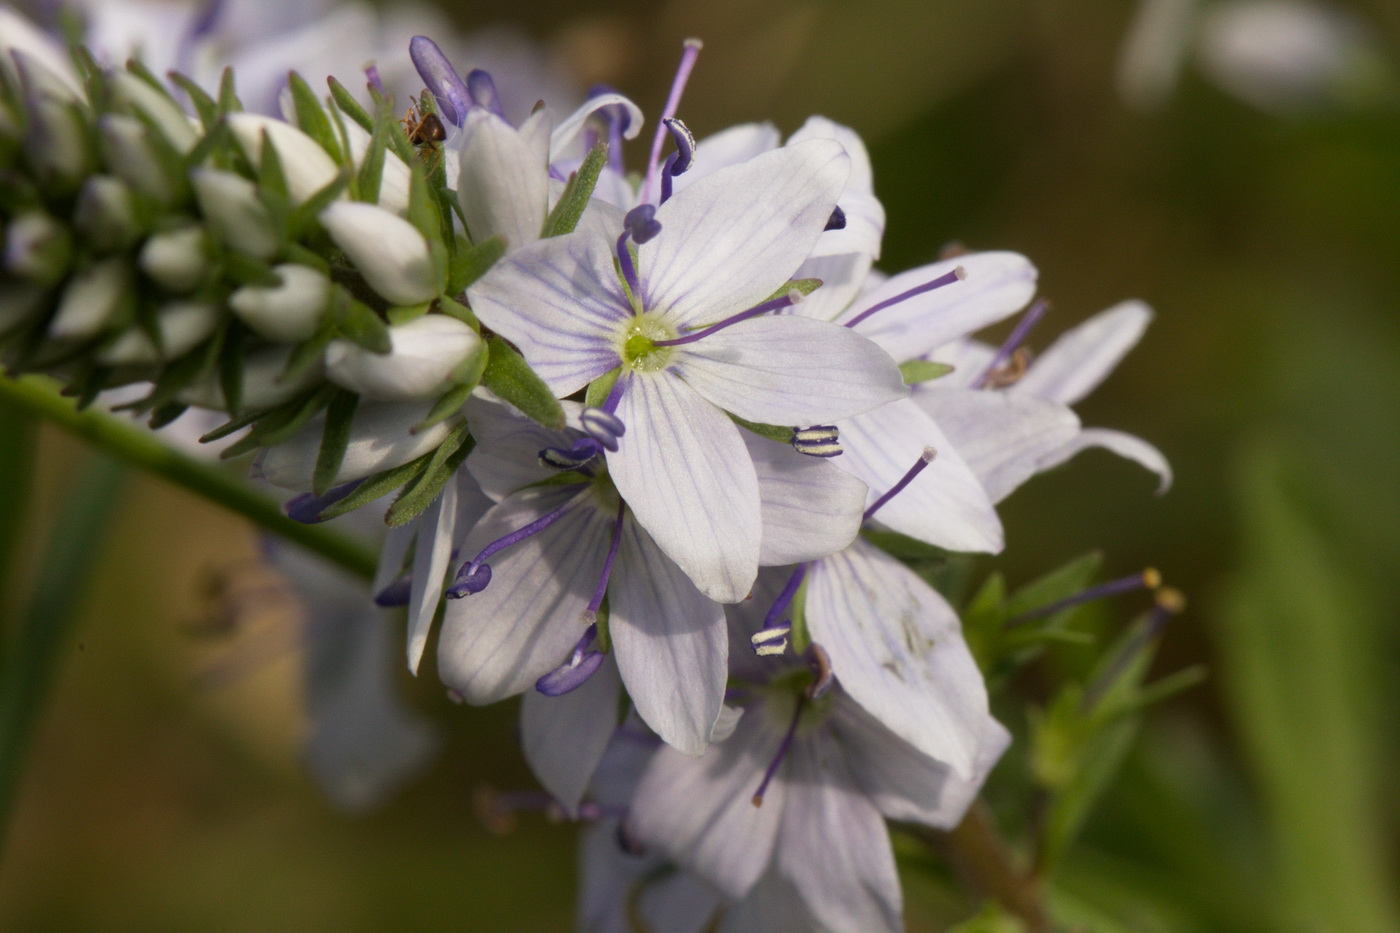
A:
{"points": [[426, 352], [37, 248], [387, 250], [503, 180], [33, 59], [174, 123], [381, 438], [235, 213], [306, 166], [288, 312], [55, 144], [183, 325], [263, 384], [91, 300], [177, 260], [132, 158], [105, 215]]}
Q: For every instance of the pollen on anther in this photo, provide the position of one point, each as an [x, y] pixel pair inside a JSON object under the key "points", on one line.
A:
{"points": [[1151, 578], [928, 455]]}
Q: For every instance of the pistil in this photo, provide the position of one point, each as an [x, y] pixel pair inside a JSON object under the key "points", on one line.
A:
{"points": [[1149, 579], [689, 53], [919, 466], [948, 278], [786, 301], [1018, 335], [475, 575], [782, 752]]}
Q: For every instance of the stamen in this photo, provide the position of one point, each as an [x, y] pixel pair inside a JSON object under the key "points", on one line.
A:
{"points": [[1168, 603], [782, 752], [837, 220], [771, 641], [483, 91], [572, 674], [678, 162], [572, 458], [453, 97], [948, 278], [397, 593], [822, 676], [1023, 327], [689, 52], [307, 507], [786, 301], [640, 224], [1149, 579], [773, 621], [591, 613], [603, 426], [475, 575], [617, 120], [919, 466], [820, 440]]}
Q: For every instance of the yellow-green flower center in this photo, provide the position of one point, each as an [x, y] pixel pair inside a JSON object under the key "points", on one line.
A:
{"points": [[637, 344]]}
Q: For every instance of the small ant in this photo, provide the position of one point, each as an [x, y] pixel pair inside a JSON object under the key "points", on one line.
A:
{"points": [[425, 131]]}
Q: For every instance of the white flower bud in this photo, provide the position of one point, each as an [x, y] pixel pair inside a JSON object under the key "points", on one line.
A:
{"points": [[105, 215], [395, 179], [426, 352], [263, 385], [183, 325], [175, 125], [37, 248], [55, 142], [307, 167], [177, 260], [285, 313], [131, 156], [91, 300], [503, 180], [24, 49], [387, 250], [380, 439], [234, 211]]}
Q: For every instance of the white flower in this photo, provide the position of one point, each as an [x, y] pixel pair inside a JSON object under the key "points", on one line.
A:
{"points": [[691, 345], [425, 353], [288, 312], [177, 260], [231, 205], [91, 299], [306, 166], [387, 250]]}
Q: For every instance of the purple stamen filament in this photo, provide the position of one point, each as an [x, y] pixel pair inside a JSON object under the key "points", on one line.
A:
{"points": [[602, 588], [957, 275], [785, 598], [689, 53], [629, 269], [919, 466], [782, 752], [515, 537], [774, 305], [1018, 335], [1149, 579]]}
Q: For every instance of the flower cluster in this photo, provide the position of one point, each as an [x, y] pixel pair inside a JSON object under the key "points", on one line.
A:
{"points": [[647, 431]]}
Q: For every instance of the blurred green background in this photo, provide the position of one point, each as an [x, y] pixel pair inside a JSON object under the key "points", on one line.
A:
{"points": [[160, 797]]}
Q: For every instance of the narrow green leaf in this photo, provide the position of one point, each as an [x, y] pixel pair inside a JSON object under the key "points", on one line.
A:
{"points": [[377, 486], [204, 105], [164, 414], [470, 263], [310, 117], [803, 286], [228, 94], [447, 406], [426, 487], [307, 354], [350, 106], [357, 322], [18, 431], [1056, 585], [510, 377], [232, 354], [577, 193], [305, 213], [461, 312], [194, 366], [599, 389], [272, 182], [916, 371], [340, 417], [774, 432], [216, 136]]}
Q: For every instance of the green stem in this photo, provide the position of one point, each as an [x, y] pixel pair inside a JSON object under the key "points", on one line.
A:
{"points": [[143, 449], [68, 558], [986, 864], [17, 429]]}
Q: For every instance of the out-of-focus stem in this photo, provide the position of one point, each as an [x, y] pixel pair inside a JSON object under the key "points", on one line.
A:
{"points": [[987, 865]]}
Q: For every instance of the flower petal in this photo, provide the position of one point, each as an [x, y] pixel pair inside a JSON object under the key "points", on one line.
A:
{"points": [[787, 369], [701, 814], [559, 301], [732, 238], [997, 285], [508, 444], [810, 508], [897, 648], [564, 737], [1122, 444], [1082, 357], [773, 906], [1002, 436], [833, 845], [687, 478], [498, 642], [502, 182], [945, 505], [431, 555], [571, 126], [904, 783], [670, 641]]}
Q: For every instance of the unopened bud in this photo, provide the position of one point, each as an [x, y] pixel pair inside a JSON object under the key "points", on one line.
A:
{"points": [[177, 260], [182, 325], [288, 312], [132, 158], [235, 213], [105, 215], [263, 383], [91, 300], [56, 144], [158, 106], [386, 250], [425, 353], [37, 248], [307, 167]]}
